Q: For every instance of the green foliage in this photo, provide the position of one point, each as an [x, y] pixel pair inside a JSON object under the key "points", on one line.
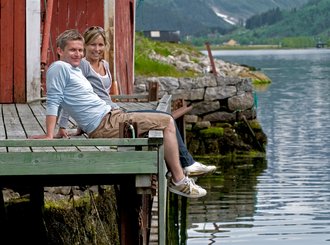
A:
{"points": [[255, 125], [89, 219], [298, 42], [214, 132], [145, 66], [268, 18], [259, 82]]}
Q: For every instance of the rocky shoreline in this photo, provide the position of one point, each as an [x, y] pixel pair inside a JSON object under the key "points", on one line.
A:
{"points": [[223, 118]]}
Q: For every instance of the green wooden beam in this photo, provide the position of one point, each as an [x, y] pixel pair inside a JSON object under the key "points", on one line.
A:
{"points": [[62, 163], [80, 142]]}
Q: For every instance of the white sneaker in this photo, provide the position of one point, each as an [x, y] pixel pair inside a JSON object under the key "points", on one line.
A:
{"points": [[187, 189], [199, 169]]}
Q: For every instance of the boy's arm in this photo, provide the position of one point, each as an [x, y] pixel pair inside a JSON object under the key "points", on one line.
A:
{"points": [[50, 127]]}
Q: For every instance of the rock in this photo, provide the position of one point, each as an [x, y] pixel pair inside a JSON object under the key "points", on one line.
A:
{"points": [[256, 76]]}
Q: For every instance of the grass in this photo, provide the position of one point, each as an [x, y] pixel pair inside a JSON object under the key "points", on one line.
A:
{"points": [[145, 66], [149, 55]]}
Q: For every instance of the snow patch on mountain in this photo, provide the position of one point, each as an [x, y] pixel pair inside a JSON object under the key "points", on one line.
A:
{"points": [[225, 17]]}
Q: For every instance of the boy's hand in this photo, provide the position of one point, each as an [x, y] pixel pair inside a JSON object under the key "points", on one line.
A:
{"points": [[41, 136]]}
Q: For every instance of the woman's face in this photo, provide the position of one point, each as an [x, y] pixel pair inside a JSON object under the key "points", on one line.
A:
{"points": [[95, 49]]}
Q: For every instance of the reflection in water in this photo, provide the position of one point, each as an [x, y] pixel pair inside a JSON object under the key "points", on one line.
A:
{"points": [[287, 200], [230, 202]]}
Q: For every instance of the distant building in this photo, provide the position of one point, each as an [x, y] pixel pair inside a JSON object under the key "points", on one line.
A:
{"points": [[163, 36], [320, 44], [231, 42]]}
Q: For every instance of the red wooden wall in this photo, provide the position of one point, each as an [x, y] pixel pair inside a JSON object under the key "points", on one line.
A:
{"points": [[72, 14], [66, 14], [12, 51], [124, 44]]}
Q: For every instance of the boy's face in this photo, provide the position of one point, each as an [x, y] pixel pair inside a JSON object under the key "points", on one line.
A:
{"points": [[72, 53]]}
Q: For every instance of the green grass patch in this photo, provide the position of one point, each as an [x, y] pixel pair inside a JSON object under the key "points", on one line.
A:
{"points": [[214, 132], [148, 67], [258, 81], [145, 66]]}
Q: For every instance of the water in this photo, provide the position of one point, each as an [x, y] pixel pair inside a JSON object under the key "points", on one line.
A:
{"points": [[285, 198]]}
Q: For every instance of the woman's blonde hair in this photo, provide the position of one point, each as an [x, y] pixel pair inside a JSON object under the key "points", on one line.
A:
{"points": [[91, 33]]}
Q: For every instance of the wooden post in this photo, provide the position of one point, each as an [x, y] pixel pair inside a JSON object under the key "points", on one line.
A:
{"points": [[214, 70], [145, 219], [153, 91], [128, 204], [37, 210], [180, 108], [3, 216], [114, 90], [134, 208]]}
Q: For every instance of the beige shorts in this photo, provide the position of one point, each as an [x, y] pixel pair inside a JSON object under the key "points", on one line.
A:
{"points": [[109, 126]]}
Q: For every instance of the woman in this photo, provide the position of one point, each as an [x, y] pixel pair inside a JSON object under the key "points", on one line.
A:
{"points": [[97, 72]]}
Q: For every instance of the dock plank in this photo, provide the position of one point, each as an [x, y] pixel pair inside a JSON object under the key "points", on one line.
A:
{"points": [[13, 126], [137, 106], [30, 124], [2, 130], [12, 122]]}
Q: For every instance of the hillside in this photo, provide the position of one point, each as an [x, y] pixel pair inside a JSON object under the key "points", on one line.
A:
{"points": [[311, 20], [198, 17], [242, 9], [302, 27]]}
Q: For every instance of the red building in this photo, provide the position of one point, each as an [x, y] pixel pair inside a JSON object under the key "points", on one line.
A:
{"points": [[27, 42]]}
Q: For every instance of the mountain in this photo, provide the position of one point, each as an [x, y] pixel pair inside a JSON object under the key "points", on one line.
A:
{"points": [[313, 19], [201, 17], [301, 27], [240, 10], [196, 19]]}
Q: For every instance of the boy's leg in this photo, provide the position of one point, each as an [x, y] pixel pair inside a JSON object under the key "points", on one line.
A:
{"points": [[178, 183], [147, 120]]}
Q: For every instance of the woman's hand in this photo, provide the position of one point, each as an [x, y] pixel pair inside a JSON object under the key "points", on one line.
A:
{"points": [[62, 133], [78, 132]]}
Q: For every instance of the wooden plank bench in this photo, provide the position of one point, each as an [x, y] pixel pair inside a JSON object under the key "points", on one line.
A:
{"points": [[81, 161]]}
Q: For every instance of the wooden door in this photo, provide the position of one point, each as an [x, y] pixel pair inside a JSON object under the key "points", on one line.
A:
{"points": [[12, 51]]}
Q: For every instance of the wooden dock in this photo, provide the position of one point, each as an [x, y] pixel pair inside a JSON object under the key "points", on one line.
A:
{"points": [[83, 161]]}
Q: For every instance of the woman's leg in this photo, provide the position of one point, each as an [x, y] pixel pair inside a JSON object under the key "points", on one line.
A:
{"points": [[188, 163], [186, 159]]}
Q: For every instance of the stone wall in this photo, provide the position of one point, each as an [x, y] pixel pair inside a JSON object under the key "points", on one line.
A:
{"points": [[214, 99], [223, 116]]}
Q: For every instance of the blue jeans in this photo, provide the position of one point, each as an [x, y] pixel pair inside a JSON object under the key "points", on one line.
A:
{"points": [[186, 158]]}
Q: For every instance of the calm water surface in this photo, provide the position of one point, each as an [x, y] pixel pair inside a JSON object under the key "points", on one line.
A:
{"points": [[285, 198]]}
